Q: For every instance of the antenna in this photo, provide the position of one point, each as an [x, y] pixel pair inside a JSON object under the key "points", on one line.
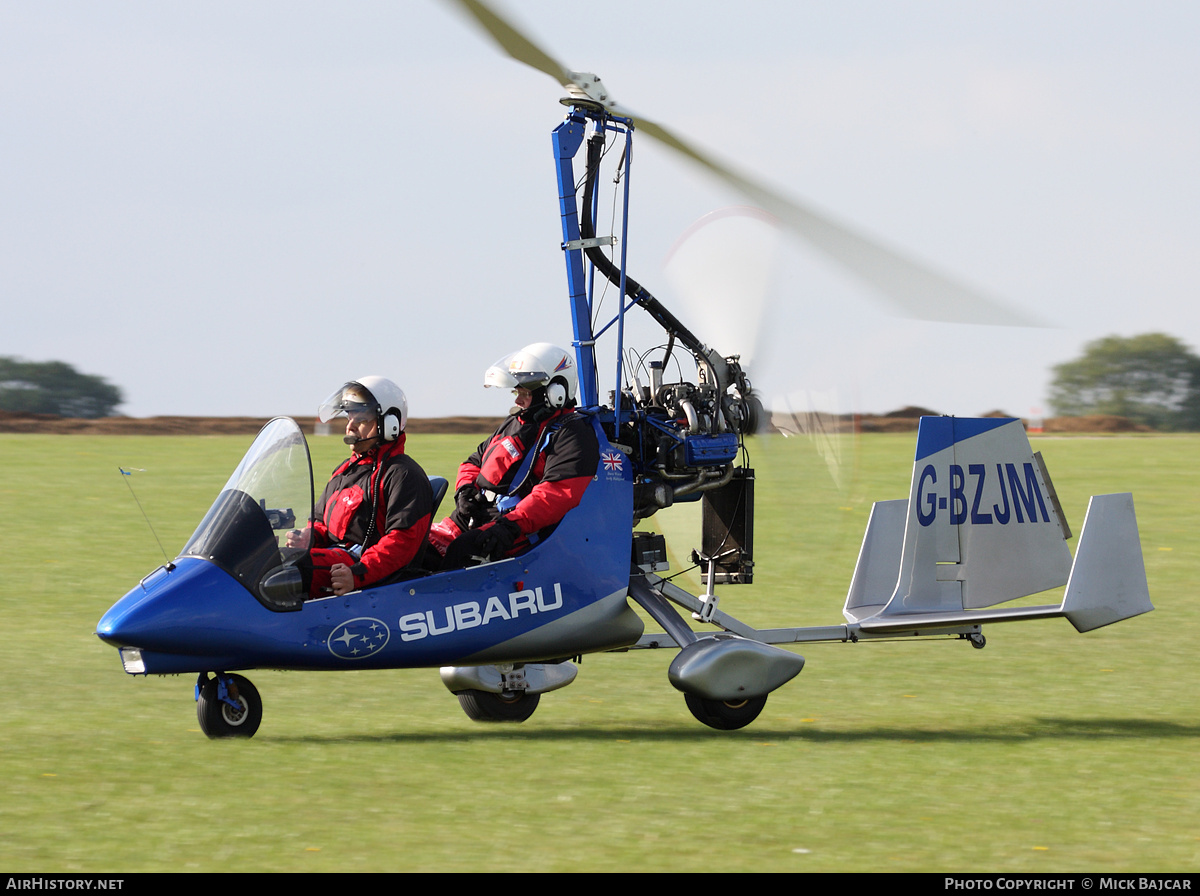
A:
{"points": [[129, 474]]}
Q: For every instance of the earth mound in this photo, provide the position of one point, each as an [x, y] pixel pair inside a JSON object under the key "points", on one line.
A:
{"points": [[902, 420]]}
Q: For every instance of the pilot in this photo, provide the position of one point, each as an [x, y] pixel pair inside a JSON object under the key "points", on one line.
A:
{"points": [[371, 522], [520, 483]]}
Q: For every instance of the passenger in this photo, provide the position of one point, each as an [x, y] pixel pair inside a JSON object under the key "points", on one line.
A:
{"points": [[520, 483], [372, 521]]}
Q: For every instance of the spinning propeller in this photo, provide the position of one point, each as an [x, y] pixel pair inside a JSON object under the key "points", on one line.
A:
{"points": [[910, 288]]}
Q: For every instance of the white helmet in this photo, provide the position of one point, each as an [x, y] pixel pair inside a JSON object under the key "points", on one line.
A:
{"points": [[369, 394], [540, 364]]}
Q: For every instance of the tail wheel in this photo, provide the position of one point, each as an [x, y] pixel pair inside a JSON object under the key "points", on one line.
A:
{"points": [[726, 715], [219, 719], [484, 706]]}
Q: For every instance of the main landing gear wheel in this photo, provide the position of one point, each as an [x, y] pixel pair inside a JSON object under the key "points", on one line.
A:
{"points": [[726, 715], [484, 706], [219, 719]]}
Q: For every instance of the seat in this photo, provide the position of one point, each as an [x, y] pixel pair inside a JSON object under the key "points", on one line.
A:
{"points": [[440, 485]]}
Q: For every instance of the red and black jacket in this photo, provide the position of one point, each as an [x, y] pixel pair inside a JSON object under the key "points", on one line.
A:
{"points": [[566, 461], [381, 500]]}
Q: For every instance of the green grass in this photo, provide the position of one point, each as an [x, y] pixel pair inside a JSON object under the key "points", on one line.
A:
{"points": [[1047, 751]]}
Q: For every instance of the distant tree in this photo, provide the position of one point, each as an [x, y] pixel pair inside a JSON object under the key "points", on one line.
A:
{"points": [[52, 387], [1153, 379]]}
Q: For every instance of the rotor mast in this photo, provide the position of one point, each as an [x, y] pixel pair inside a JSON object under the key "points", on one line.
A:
{"points": [[580, 241]]}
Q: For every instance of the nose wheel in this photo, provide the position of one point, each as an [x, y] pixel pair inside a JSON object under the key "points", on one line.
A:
{"points": [[227, 706]]}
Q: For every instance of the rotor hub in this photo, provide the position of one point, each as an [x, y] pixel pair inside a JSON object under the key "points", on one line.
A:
{"points": [[586, 89]]}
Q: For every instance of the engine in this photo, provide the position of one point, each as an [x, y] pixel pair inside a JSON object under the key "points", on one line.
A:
{"points": [[684, 437]]}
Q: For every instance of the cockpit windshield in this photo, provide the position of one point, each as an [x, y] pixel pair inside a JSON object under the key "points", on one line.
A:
{"points": [[269, 494]]}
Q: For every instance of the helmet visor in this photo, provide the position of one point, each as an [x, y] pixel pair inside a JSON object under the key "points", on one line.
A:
{"points": [[513, 372], [350, 400]]}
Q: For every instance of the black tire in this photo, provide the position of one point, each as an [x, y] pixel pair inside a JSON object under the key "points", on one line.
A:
{"points": [[758, 418], [726, 715], [219, 719], [483, 706]]}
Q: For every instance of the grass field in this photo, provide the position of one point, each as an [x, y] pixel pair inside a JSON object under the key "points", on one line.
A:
{"points": [[1047, 751]]}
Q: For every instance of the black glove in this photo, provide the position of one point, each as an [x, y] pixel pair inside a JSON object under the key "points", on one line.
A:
{"points": [[499, 539], [481, 545], [470, 507]]}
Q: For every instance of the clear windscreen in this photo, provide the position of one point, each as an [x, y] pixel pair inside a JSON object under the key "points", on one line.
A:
{"points": [[269, 494], [277, 473]]}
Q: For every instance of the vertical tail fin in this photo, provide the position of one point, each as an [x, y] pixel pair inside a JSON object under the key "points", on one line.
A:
{"points": [[1108, 581], [982, 525]]}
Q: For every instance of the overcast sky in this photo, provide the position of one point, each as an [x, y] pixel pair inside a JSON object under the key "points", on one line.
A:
{"points": [[234, 207]]}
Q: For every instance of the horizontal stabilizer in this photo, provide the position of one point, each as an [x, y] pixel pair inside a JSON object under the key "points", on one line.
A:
{"points": [[931, 623]]}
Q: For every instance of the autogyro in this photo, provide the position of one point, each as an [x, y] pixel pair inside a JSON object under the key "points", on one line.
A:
{"points": [[981, 527]]}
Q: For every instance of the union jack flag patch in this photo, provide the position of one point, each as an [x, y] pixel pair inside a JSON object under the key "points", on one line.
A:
{"points": [[612, 460]]}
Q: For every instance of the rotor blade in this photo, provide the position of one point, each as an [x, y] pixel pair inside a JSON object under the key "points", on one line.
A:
{"points": [[513, 42], [913, 289]]}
